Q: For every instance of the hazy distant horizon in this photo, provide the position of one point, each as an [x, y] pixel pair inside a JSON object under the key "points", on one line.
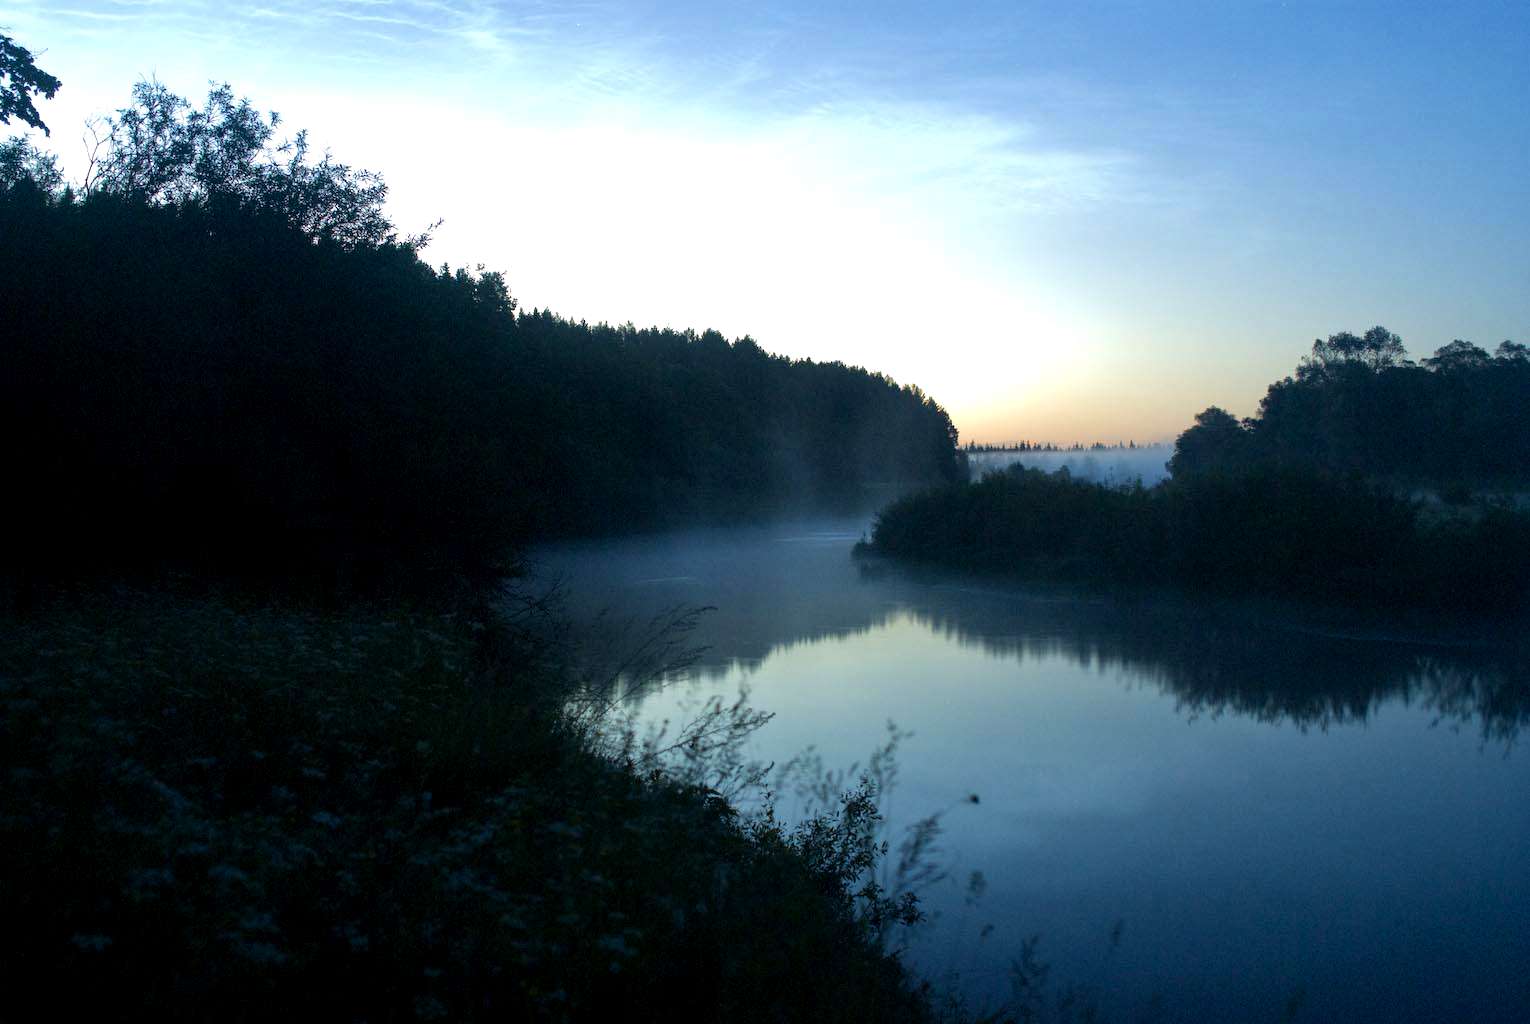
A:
{"points": [[1061, 223]]}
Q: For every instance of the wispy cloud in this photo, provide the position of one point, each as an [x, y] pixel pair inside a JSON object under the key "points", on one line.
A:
{"points": [[64, 12], [368, 18]]}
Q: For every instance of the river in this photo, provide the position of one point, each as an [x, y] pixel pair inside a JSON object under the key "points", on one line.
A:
{"points": [[1201, 816]]}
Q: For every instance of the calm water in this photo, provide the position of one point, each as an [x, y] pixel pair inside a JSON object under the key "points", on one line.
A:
{"points": [[1201, 819]]}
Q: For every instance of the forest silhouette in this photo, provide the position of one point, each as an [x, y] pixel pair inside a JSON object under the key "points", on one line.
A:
{"points": [[227, 360], [1365, 480]]}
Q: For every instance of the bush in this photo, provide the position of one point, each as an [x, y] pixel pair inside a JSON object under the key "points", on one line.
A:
{"points": [[1275, 530]]}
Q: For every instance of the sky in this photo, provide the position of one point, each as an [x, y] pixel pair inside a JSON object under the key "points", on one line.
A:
{"points": [[1064, 221]]}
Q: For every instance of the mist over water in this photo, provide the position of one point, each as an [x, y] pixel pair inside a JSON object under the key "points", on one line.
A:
{"points": [[1265, 817], [1116, 466]]}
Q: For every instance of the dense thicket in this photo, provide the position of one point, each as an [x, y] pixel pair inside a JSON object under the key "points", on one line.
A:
{"points": [[220, 356], [1357, 404], [1284, 531]]}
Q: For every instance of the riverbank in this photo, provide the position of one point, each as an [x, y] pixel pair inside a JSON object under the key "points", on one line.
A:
{"points": [[1276, 532], [1270, 807], [217, 809]]}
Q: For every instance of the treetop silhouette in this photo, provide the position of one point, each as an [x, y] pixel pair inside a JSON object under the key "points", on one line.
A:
{"points": [[20, 80]]}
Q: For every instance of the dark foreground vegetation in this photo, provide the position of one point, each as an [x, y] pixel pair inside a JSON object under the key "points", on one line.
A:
{"points": [[1354, 486], [232, 384], [219, 811]]}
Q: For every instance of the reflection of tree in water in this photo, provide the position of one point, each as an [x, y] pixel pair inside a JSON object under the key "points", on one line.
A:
{"points": [[1497, 695], [1270, 666], [1271, 674], [1211, 667]]}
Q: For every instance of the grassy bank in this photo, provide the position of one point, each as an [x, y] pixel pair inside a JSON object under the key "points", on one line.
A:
{"points": [[218, 810]]}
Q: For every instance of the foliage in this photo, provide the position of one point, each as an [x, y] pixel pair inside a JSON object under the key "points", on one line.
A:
{"points": [[1216, 440], [1277, 530], [161, 150], [216, 810], [24, 166], [1357, 404], [1345, 353], [1022, 521], [20, 80], [223, 362]]}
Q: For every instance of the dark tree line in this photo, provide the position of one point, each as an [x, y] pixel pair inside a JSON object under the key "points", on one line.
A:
{"points": [[1310, 500], [222, 356], [1357, 404], [1283, 531], [1039, 446]]}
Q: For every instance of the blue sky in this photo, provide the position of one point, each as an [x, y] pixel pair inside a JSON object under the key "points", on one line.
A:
{"points": [[1064, 221]]}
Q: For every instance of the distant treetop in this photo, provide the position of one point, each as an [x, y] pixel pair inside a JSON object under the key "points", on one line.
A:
{"points": [[1377, 350], [1357, 404]]}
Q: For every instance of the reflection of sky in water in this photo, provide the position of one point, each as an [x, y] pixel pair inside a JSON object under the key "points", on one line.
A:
{"points": [[1375, 858]]}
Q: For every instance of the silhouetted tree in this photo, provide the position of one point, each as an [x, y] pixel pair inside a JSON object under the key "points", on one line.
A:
{"points": [[1456, 357], [161, 150], [1357, 405], [1511, 351], [21, 163], [1377, 350], [1217, 439], [20, 80]]}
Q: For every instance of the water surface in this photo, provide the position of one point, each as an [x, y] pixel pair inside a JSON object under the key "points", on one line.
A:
{"points": [[1202, 817]]}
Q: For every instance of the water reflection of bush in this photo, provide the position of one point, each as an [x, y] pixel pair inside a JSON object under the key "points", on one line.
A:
{"points": [[1213, 662], [1272, 675]]}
